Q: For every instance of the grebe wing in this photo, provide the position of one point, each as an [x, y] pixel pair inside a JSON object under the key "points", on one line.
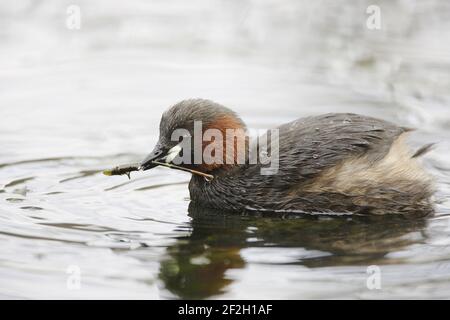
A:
{"points": [[308, 146]]}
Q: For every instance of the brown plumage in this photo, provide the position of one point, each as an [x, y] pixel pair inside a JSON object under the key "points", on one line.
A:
{"points": [[332, 163]]}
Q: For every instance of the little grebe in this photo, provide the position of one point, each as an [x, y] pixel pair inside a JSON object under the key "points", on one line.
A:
{"points": [[332, 163]]}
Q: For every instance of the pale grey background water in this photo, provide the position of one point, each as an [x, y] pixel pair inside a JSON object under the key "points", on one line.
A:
{"points": [[73, 102]]}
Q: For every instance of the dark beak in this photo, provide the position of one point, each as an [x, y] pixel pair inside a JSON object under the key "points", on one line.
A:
{"points": [[157, 154]]}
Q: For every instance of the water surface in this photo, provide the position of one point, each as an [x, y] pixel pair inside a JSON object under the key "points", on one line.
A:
{"points": [[73, 102]]}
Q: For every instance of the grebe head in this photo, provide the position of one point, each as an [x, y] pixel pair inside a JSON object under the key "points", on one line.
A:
{"points": [[193, 134]]}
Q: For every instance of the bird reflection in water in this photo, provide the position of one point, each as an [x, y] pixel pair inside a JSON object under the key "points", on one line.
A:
{"points": [[196, 265]]}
